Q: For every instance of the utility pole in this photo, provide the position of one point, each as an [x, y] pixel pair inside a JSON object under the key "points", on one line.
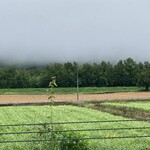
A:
{"points": [[77, 84]]}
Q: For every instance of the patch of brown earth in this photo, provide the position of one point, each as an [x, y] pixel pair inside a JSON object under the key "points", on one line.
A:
{"points": [[71, 97]]}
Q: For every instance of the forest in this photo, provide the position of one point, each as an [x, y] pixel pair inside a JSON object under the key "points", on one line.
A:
{"points": [[104, 74]]}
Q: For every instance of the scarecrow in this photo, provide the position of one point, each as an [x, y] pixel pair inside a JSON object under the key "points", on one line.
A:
{"points": [[52, 84]]}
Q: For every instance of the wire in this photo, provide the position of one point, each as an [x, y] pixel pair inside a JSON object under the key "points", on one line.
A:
{"points": [[85, 130], [62, 139], [48, 123]]}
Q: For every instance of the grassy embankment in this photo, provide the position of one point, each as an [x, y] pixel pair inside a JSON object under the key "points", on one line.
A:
{"points": [[136, 109], [142, 106], [82, 90], [34, 114]]}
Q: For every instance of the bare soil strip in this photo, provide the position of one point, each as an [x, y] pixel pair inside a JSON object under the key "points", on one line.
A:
{"points": [[5, 99]]}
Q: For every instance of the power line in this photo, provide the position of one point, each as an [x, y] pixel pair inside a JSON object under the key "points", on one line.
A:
{"points": [[78, 130], [82, 122], [63, 139]]}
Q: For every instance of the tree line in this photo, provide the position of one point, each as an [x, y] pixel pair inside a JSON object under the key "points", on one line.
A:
{"points": [[104, 74]]}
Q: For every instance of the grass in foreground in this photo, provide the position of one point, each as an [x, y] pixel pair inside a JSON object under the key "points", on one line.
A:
{"points": [[82, 90], [36, 114]]}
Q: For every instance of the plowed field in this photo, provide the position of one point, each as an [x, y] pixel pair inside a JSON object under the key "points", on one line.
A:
{"points": [[70, 97]]}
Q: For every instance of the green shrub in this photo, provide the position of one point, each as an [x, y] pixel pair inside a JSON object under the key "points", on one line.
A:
{"points": [[71, 139], [73, 142]]}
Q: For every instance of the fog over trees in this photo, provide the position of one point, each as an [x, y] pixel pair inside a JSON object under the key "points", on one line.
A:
{"points": [[46, 31], [104, 74]]}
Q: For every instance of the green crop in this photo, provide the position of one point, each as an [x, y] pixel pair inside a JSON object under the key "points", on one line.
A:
{"points": [[36, 114]]}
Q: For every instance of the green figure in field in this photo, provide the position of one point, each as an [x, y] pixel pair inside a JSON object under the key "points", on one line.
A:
{"points": [[52, 84]]}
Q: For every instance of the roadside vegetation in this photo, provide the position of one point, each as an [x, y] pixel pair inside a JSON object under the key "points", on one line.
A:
{"points": [[37, 114]]}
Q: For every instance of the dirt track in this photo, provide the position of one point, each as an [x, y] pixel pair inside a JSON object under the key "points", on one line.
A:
{"points": [[69, 97]]}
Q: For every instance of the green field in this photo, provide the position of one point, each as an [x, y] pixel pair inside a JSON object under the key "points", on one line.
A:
{"points": [[82, 90], [140, 105], [36, 114]]}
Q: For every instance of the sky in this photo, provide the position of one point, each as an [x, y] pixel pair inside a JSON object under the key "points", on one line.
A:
{"points": [[44, 31]]}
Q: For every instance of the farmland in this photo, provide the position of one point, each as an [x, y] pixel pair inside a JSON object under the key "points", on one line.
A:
{"points": [[69, 94], [82, 90], [132, 109], [143, 106], [36, 114], [66, 113]]}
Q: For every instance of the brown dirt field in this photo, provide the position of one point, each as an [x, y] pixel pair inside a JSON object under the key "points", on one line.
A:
{"points": [[4, 99]]}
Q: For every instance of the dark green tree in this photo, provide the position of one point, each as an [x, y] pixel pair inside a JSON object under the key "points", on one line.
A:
{"points": [[119, 74], [22, 78], [144, 75], [144, 79], [87, 75], [130, 70]]}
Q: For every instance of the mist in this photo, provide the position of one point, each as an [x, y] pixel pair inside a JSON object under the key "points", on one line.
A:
{"points": [[47, 31]]}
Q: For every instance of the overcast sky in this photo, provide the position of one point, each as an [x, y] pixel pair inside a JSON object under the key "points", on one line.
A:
{"points": [[43, 31]]}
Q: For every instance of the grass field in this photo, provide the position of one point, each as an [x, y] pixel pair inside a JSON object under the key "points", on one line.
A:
{"points": [[140, 105], [36, 114], [82, 90]]}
